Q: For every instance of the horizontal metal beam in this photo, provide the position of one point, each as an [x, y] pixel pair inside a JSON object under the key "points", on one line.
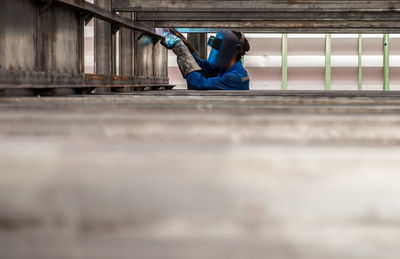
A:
{"points": [[328, 16], [113, 18], [392, 96], [41, 80], [285, 26], [256, 6], [34, 79], [125, 81], [267, 16]]}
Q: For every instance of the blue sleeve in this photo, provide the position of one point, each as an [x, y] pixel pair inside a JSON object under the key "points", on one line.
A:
{"points": [[206, 69], [196, 81]]}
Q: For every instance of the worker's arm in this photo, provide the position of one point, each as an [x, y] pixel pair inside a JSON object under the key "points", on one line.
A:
{"points": [[186, 62], [206, 69], [231, 81]]}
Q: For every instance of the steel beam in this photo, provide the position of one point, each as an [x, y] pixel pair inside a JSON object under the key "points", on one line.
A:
{"points": [[43, 49], [365, 27], [103, 43], [108, 16], [160, 64], [34, 79], [144, 57], [227, 6], [327, 16], [267, 15], [126, 50]]}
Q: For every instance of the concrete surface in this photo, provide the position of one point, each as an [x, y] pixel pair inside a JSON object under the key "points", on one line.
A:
{"points": [[200, 175]]}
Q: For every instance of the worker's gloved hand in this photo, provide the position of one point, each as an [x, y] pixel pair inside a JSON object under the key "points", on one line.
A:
{"points": [[183, 38], [171, 41], [187, 64]]}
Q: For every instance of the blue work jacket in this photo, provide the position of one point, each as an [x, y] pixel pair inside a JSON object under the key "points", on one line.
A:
{"points": [[235, 78]]}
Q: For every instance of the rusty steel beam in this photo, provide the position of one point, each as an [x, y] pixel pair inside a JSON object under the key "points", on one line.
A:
{"points": [[109, 81], [285, 26], [269, 15], [43, 49], [215, 6], [113, 18]]}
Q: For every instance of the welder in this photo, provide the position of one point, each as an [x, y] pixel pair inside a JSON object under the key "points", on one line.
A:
{"points": [[222, 71]]}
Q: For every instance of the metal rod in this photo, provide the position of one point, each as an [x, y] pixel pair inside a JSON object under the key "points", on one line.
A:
{"points": [[360, 66], [328, 62], [284, 62], [386, 61]]}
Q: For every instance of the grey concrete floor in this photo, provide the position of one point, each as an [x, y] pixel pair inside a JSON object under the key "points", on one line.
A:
{"points": [[182, 174]]}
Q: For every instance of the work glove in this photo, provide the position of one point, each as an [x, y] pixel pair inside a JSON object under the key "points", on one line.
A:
{"points": [[171, 40], [186, 62], [185, 41], [173, 32]]}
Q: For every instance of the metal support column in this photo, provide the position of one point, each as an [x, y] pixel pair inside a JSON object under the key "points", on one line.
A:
{"points": [[160, 64], [144, 59], [103, 45], [328, 62], [114, 53], [126, 50], [284, 62], [386, 61]]}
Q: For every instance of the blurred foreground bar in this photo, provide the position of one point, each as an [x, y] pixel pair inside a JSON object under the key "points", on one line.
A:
{"points": [[183, 175]]}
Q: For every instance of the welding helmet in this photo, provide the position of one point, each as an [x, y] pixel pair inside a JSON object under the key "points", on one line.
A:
{"points": [[224, 47]]}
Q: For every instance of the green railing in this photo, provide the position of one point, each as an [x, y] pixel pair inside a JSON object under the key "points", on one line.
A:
{"points": [[328, 62]]}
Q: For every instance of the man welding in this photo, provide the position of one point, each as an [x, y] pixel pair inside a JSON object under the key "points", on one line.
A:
{"points": [[222, 71]]}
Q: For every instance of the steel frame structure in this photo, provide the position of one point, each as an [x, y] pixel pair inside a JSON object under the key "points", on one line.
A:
{"points": [[144, 65], [270, 16], [54, 59], [284, 16]]}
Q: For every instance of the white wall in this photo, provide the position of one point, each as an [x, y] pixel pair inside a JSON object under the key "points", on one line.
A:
{"points": [[306, 62]]}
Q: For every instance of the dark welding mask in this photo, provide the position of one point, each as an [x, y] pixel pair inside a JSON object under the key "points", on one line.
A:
{"points": [[224, 47], [215, 43]]}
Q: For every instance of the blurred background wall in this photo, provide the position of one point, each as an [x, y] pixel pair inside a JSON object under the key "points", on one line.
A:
{"points": [[306, 62]]}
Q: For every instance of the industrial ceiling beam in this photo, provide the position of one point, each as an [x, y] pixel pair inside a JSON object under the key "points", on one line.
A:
{"points": [[284, 26], [267, 16], [352, 16], [256, 6], [117, 20]]}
